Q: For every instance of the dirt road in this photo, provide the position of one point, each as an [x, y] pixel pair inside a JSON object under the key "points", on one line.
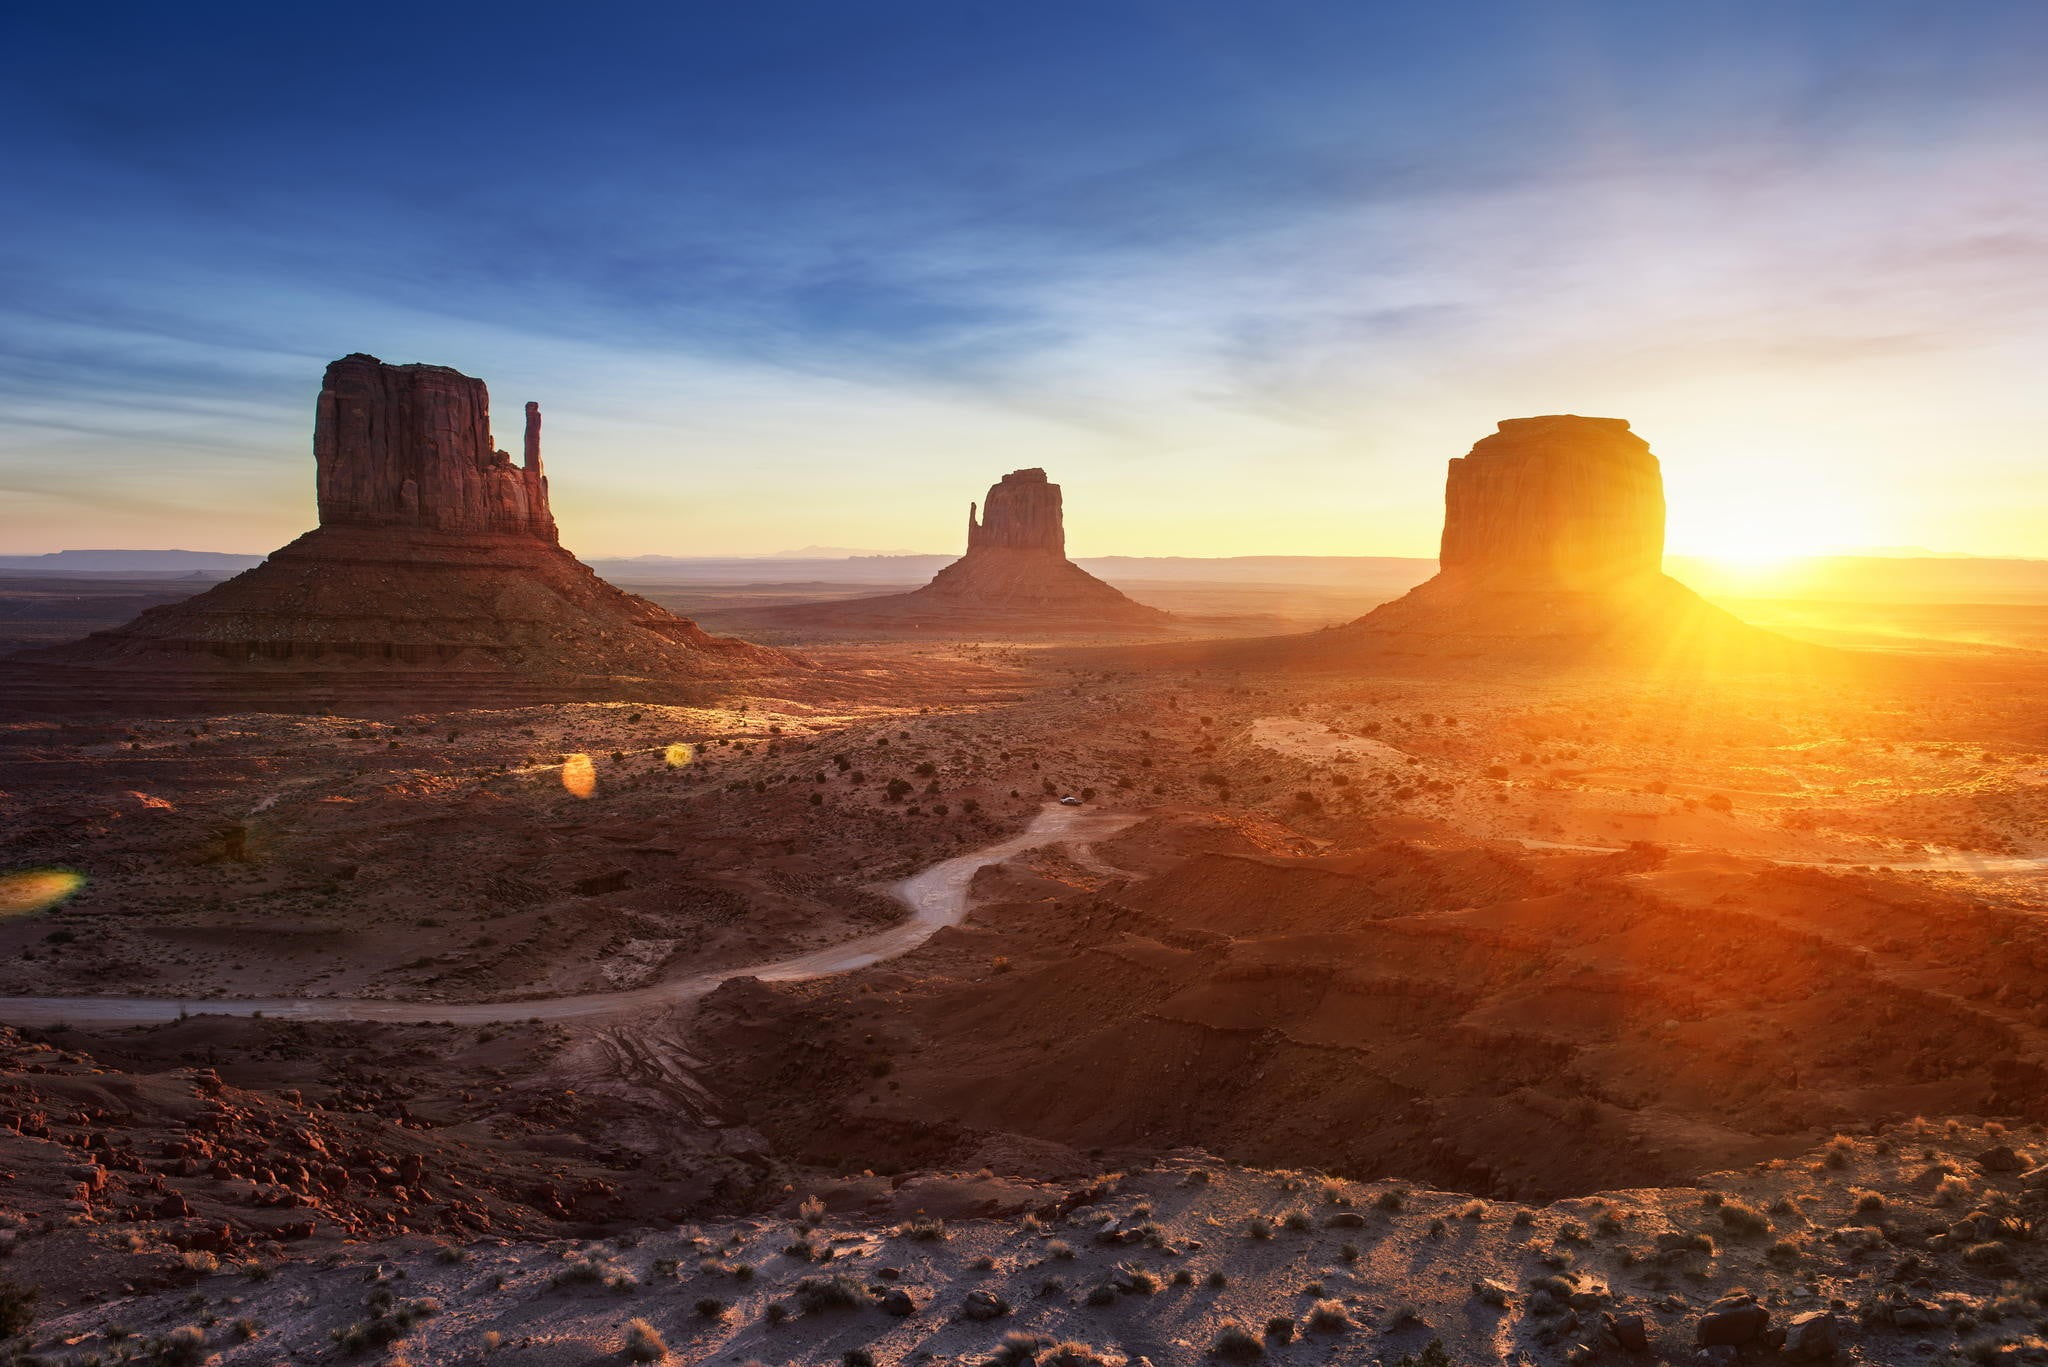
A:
{"points": [[936, 897]]}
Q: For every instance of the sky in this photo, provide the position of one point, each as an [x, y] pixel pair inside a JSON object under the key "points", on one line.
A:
{"points": [[1241, 277]]}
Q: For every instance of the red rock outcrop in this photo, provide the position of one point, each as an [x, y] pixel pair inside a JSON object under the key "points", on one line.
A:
{"points": [[434, 579], [1014, 578], [1559, 501], [1022, 513], [410, 446]]}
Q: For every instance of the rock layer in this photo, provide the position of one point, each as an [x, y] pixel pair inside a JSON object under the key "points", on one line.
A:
{"points": [[434, 579]]}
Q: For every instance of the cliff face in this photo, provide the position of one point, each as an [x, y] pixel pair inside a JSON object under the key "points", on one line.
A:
{"points": [[1022, 513], [1555, 502], [411, 446]]}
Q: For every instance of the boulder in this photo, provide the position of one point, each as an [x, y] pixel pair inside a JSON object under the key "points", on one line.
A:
{"points": [[1812, 1336], [1629, 1333], [1733, 1320], [1999, 1158]]}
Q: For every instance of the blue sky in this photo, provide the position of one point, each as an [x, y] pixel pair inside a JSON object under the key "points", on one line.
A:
{"points": [[1240, 276]]}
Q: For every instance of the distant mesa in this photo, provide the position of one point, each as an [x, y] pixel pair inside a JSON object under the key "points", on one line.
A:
{"points": [[1015, 577], [1552, 553], [1553, 543], [435, 579]]}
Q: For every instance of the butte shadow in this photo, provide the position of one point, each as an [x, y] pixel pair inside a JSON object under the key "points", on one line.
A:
{"points": [[1552, 556], [435, 580]]}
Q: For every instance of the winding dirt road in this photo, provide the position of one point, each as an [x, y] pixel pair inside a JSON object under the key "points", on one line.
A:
{"points": [[936, 897]]}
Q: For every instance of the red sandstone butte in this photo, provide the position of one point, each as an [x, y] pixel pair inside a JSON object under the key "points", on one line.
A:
{"points": [[435, 579]]}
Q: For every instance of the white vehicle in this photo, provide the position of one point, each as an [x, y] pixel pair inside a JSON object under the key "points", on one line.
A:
{"points": [[1070, 802]]}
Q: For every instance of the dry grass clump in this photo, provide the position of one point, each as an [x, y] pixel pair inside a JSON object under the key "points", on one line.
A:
{"points": [[817, 1294], [643, 1343], [1235, 1341], [1952, 1190], [1329, 1317], [1059, 1248], [1740, 1217], [923, 1231], [1297, 1220], [1258, 1227]]}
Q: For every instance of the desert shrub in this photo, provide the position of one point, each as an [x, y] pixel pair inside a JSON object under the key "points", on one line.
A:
{"points": [[1329, 1317], [1432, 1355], [643, 1343], [1017, 1348], [1297, 1220], [184, 1346], [1953, 1189], [775, 1312], [1137, 1281], [1740, 1217], [1069, 1353], [924, 1231], [1102, 1293], [1280, 1328], [1991, 1256], [1233, 1340], [710, 1307], [1393, 1198], [17, 1308], [1258, 1227], [1869, 1201], [816, 1294], [1183, 1277], [1219, 1278], [1349, 1253], [1472, 1210], [857, 1357], [1437, 1228], [1059, 1248], [811, 1211]]}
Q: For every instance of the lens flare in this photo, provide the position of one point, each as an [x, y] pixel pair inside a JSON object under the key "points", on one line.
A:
{"points": [[34, 890], [679, 754], [579, 775]]}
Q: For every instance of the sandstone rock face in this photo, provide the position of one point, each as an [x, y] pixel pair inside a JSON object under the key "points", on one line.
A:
{"points": [[1559, 501], [434, 579], [1022, 513], [411, 446]]}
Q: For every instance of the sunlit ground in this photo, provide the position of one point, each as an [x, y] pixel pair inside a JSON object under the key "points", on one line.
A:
{"points": [[34, 890]]}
